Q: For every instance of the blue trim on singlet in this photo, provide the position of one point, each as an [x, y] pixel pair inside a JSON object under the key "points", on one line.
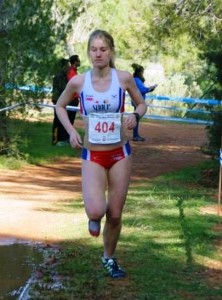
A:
{"points": [[120, 100], [82, 105]]}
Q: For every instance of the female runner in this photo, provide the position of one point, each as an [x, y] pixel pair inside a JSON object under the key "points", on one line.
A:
{"points": [[106, 152]]}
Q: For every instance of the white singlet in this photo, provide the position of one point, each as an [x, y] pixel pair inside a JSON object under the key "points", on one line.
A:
{"points": [[111, 100]]}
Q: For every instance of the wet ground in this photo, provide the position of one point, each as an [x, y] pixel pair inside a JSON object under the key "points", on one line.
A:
{"points": [[17, 263]]}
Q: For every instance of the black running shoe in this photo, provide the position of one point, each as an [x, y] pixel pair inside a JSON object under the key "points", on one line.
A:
{"points": [[138, 139], [110, 264]]}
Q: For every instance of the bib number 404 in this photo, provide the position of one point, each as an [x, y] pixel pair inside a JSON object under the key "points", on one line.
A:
{"points": [[104, 127]]}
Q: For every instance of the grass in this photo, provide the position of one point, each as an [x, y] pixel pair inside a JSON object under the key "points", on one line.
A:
{"points": [[34, 145], [166, 244], [165, 247]]}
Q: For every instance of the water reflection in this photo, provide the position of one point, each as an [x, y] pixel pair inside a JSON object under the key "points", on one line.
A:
{"points": [[16, 265]]}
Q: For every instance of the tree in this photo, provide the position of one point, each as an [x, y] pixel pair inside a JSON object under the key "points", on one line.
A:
{"points": [[200, 23], [31, 40]]}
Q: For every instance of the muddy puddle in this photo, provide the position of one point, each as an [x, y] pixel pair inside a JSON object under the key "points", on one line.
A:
{"points": [[18, 261]]}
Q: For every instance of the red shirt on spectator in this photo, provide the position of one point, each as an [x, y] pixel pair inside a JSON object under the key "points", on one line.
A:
{"points": [[71, 73]]}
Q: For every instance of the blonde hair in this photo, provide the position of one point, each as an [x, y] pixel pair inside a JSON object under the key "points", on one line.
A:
{"points": [[98, 33]]}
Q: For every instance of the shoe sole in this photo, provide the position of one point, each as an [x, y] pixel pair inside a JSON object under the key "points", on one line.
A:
{"points": [[95, 232]]}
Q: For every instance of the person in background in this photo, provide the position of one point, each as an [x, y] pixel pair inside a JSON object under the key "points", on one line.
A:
{"points": [[60, 136], [106, 151], [73, 71], [139, 80], [68, 70], [74, 65]]}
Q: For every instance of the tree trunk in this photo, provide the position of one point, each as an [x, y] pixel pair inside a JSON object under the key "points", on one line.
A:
{"points": [[4, 137]]}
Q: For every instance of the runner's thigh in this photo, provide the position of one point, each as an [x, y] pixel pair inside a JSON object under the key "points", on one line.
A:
{"points": [[119, 178], [94, 180]]}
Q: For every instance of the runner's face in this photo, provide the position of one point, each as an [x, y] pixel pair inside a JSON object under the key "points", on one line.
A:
{"points": [[100, 53]]}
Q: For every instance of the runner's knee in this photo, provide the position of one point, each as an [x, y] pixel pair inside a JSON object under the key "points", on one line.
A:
{"points": [[94, 213], [114, 221]]}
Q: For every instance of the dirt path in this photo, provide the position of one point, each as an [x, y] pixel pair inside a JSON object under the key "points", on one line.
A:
{"points": [[29, 197]]}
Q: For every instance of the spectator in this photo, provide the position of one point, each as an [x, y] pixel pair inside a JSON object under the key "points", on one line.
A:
{"points": [[73, 71], [139, 80], [60, 136]]}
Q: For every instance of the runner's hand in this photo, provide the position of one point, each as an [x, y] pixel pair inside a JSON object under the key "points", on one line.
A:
{"points": [[75, 140], [130, 121]]}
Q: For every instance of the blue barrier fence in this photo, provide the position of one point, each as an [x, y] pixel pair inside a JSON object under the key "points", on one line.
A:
{"points": [[147, 116], [149, 99], [32, 88], [185, 100]]}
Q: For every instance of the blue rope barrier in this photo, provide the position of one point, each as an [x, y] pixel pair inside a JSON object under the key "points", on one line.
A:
{"points": [[156, 117], [151, 117], [180, 109], [157, 97], [188, 120], [32, 88], [185, 100]]}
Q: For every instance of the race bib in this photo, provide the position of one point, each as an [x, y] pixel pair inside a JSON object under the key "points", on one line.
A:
{"points": [[104, 128]]}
